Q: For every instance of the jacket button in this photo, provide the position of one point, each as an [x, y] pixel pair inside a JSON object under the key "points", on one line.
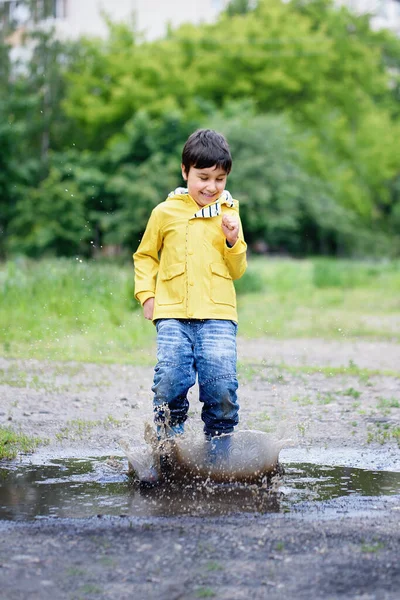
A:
{"points": [[190, 252], [191, 282]]}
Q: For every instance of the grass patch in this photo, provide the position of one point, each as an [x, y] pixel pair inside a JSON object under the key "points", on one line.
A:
{"points": [[213, 565], [247, 372], [13, 443], [74, 310], [363, 374], [352, 392], [79, 428], [322, 298], [388, 403], [302, 400], [205, 592], [351, 370], [383, 434], [372, 548], [326, 398]]}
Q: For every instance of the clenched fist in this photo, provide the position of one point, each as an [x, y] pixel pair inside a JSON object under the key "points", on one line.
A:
{"points": [[230, 227]]}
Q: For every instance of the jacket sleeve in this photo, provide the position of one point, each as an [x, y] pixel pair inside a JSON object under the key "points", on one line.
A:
{"points": [[235, 257], [146, 260]]}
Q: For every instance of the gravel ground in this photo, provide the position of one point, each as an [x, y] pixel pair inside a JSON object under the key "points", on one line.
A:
{"points": [[343, 548]]}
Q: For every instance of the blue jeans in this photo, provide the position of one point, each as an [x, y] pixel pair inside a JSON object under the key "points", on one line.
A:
{"points": [[206, 347]]}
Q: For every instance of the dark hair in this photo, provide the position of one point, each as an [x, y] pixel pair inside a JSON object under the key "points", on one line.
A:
{"points": [[206, 148]]}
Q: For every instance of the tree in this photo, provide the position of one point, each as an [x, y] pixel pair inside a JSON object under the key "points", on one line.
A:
{"points": [[281, 204], [50, 219], [239, 7], [113, 114], [31, 117]]}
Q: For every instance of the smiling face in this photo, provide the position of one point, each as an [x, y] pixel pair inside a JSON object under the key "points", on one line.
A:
{"points": [[205, 185]]}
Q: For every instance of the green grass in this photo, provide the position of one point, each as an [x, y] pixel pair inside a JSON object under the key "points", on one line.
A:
{"points": [[351, 370], [79, 428], [302, 400], [71, 310], [383, 434], [68, 309], [13, 443], [205, 592], [372, 547], [352, 392], [323, 298], [388, 403]]}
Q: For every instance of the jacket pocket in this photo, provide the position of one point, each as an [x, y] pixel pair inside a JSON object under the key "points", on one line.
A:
{"points": [[222, 289], [171, 285]]}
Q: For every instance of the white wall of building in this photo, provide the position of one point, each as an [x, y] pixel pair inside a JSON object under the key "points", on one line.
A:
{"points": [[151, 16], [84, 17], [386, 13]]}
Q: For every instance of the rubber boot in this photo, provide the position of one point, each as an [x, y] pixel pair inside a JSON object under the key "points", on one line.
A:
{"points": [[219, 448]]}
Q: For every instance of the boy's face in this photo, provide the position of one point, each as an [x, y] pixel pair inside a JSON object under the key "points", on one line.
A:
{"points": [[205, 185]]}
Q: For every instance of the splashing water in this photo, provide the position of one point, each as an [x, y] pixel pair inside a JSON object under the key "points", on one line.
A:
{"points": [[248, 457]]}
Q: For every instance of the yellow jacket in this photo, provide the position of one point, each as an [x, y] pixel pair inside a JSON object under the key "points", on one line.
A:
{"points": [[185, 263]]}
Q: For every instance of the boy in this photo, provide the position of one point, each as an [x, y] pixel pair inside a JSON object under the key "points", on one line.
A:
{"points": [[192, 249]]}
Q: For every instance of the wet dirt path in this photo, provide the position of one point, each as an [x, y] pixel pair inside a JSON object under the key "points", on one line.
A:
{"points": [[337, 402], [346, 556]]}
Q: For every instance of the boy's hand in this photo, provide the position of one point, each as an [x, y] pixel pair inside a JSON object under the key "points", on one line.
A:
{"points": [[230, 227], [148, 309]]}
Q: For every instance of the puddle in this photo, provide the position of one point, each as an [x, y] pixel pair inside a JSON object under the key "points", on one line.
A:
{"points": [[80, 488]]}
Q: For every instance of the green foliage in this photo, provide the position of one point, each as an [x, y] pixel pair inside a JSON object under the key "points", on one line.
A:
{"points": [[49, 219], [32, 124], [306, 92], [239, 7], [280, 202], [143, 161], [16, 169]]}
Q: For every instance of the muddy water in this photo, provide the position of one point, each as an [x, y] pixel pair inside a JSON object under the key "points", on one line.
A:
{"points": [[79, 488]]}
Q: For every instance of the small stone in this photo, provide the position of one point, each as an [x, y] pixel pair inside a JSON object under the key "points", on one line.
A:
{"points": [[178, 547], [25, 558]]}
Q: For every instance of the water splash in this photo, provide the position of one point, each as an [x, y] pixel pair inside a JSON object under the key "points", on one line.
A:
{"points": [[251, 457]]}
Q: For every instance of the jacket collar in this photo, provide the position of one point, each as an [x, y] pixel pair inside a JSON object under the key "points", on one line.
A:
{"points": [[205, 212]]}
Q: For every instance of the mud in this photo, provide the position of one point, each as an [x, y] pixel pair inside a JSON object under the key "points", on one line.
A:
{"points": [[330, 531]]}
